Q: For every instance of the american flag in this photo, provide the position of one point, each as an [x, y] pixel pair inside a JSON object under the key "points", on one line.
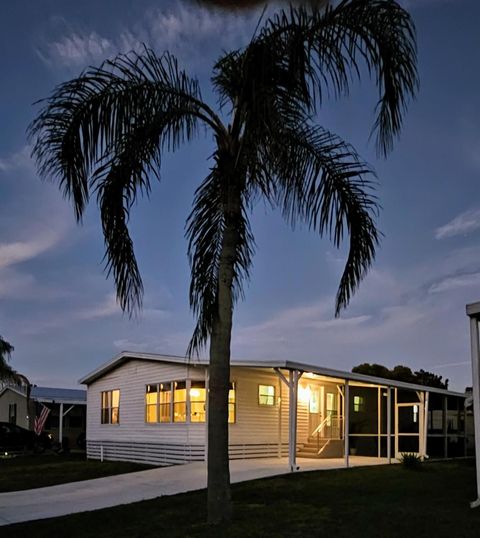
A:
{"points": [[39, 421]]}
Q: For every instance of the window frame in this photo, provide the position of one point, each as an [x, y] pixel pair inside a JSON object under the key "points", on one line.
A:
{"points": [[109, 408], [358, 403], [267, 396], [12, 407], [232, 404]]}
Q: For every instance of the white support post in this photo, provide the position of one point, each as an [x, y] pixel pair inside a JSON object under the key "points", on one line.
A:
{"points": [[389, 424], [425, 425], [292, 423], [288, 383], [279, 402], [60, 425], [421, 423], [445, 427], [346, 425], [396, 423], [474, 343], [379, 422]]}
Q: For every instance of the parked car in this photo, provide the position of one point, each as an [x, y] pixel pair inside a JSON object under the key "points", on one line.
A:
{"points": [[13, 438]]}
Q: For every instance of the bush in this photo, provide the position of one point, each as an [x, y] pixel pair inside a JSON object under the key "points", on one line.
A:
{"points": [[410, 460]]}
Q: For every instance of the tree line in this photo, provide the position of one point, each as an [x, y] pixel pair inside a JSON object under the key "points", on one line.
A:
{"points": [[402, 373]]}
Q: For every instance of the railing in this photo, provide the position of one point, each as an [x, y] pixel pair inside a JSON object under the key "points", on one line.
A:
{"points": [[331, 427]]}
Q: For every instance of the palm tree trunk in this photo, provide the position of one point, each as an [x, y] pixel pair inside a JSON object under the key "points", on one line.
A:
{"points": [[219, 497]]}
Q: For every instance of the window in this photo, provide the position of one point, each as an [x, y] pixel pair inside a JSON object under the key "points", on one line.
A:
{"points": [[179, 401], [151, 403], [314, 401], [231, 404], [12, 413], [110, 407], [167, 402], [197, 401], [266, 394], [358, 404], [415, 413]]}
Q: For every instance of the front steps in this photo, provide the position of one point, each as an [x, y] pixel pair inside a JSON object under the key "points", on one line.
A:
{"points": [[324, 448]]}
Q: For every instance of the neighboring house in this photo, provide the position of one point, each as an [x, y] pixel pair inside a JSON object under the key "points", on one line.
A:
{"points": [[152, 408], [70, 404]]}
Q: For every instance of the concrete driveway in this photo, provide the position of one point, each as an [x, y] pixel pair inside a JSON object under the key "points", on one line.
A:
{"points": [[54, 501]]}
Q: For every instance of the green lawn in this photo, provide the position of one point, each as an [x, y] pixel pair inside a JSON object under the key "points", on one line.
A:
{"points": [[387, 502], [49, 469]]}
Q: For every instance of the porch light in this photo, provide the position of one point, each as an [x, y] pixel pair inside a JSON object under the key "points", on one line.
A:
{"points": [[304, 394], [194, 393]]}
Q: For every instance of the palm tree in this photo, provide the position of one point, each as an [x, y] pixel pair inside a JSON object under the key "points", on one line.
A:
{"points": [[105, 132], [7, 373]]}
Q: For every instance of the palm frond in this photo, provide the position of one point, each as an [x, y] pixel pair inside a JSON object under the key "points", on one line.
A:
{"points": [[321, 181], [320, 51], [7, 373], [105, 131]]}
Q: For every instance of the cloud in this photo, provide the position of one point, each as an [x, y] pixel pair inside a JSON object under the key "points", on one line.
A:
{"points": [[452, 364], [464, 223], [77, 49], [454, 282], [17, 160], [106, 308], [190, 32], [20, 251]]}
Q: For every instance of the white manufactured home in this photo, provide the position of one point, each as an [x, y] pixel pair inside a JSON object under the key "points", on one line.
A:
{"points": [[153, 408]]}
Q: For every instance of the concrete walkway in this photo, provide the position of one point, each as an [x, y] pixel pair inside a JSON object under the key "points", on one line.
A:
{"points": [[54, 501]]}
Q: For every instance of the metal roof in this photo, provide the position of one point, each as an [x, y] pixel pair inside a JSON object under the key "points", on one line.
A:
{"points": [[59, 395], [125, 356], [51, 395]]}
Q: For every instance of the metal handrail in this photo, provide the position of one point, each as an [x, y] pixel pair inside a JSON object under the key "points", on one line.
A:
{"points": [[320, 427], [334, 422]]}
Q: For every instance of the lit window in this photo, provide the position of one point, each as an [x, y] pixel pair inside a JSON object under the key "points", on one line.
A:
{"points": [[197, 401], [110, 407], [179, 401], [358, 404], [266, 394], [231, 403], [151, 403], [165, 402], [314, 401]]}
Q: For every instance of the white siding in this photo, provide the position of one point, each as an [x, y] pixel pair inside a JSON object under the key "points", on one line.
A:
{"points": [[258, 430], [11, 397], [131, 379]]}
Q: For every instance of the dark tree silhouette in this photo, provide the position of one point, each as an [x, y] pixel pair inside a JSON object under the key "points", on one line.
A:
{"points": [[402, 373], [7, 373], [104, 134]]}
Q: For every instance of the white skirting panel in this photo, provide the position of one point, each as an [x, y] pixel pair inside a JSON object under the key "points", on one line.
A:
{"points": [[173, 454]]}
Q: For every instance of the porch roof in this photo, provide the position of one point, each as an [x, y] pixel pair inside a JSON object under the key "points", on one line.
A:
{"points": [[126, 356], [51, 394]]}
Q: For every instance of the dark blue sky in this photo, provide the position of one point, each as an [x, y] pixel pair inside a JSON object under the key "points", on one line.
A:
{"points": [[58, 310]]}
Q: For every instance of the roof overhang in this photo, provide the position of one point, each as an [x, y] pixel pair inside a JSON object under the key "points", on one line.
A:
{"points": [[126, 356], [473, 310], [45, 399]]}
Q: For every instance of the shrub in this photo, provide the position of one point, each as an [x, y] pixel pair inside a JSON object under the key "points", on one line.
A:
{"points": [[410, 460]]}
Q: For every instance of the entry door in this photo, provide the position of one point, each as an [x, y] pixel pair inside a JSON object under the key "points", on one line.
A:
{"points": [[331, 406], [314, 408], [408, 428]]}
